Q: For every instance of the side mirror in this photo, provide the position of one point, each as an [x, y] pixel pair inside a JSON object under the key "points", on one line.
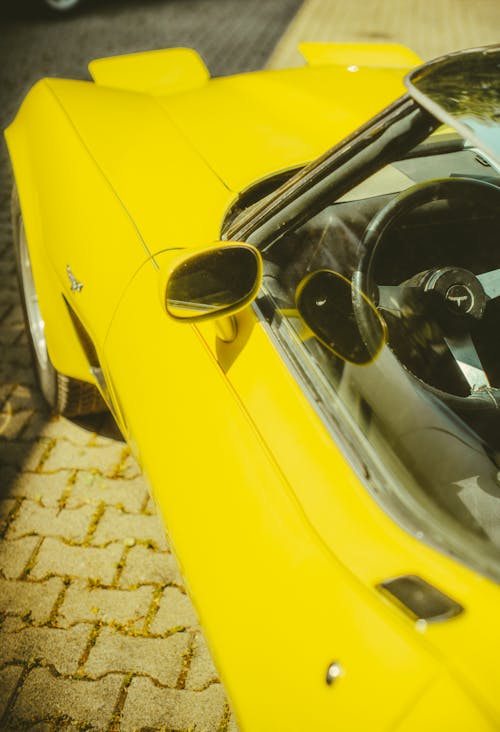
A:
{"points": [[212, 282], [325, 303]]}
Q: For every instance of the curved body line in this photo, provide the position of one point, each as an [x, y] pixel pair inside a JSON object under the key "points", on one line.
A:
{"points": [[99, 168]]}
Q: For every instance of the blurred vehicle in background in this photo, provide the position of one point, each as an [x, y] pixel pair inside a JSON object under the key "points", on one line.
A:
{"points": [[60, 6]]}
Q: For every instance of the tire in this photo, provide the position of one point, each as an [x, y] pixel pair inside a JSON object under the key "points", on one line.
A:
{"points": [[60, 7], [64, 395]]}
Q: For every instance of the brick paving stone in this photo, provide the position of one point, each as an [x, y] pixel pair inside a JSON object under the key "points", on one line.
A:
{"points": [[151, 506], [148, 706], [20, 454], [47, 490], [175, 610], [232, 725], [129, 468], [14, 316], [16, 373], [79, 436], [126, 607], [202, 671], [14, 556], [5, 391], [44, 424], [104, 459], [8, 290], [97, 563], [55, 427], [10, 334], [13, 623], [35, 598], [18, 355], [22, 397], [93, 489], [146, 565], [7, 505], [160, 658], [9, 677], [32, 518], [58, 647], [12, 425], [115, 524], [45, 695]]}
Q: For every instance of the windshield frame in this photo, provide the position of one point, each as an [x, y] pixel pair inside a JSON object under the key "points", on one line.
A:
{"points": [[388, 136]]}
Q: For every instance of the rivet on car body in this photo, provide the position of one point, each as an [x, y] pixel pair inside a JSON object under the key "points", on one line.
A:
{"points": [[334, 672]]}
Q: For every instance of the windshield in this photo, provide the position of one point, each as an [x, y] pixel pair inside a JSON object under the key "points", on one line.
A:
{"points": [[405, 263], [463, 89]]}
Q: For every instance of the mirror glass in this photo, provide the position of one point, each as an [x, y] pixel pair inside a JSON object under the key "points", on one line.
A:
{"points": [[213, 282], [325, 303]]}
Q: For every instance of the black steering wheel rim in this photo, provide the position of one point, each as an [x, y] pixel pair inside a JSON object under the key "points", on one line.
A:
{"points": [[397, 208]]}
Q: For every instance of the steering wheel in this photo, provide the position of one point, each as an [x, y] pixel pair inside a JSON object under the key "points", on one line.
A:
{"points": [[452, 297]]}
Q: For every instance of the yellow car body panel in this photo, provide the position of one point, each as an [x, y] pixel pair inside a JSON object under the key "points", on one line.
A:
{"points": [[277, 606], [104, 249], [47, 143], [248, 517], [154, 72], [346, 519], [281, 546], [385, 55], [126, 145], [271, 121]]}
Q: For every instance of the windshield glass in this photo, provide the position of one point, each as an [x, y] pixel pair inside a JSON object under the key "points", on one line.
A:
{"points": [[463, 89], [386, 298]]}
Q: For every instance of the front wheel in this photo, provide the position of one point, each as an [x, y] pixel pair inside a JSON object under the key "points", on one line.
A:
{"points": [[64, 395]]}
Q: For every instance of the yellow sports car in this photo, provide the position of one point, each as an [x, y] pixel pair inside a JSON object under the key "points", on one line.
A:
{"points": [[304, 357]]}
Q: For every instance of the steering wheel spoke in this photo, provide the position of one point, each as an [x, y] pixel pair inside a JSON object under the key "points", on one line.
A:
{"points": [[395, 298], [467, 359], [390, 297], [490, 282]]}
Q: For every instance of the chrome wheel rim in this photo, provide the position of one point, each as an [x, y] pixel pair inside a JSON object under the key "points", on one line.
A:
{"points": [[35, 321]]}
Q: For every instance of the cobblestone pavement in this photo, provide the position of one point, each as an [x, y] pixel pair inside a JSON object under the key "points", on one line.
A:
{"points": [[96, 631]]}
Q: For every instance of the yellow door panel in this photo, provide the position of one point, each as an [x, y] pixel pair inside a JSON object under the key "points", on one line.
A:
{"points": [[277, 606]]}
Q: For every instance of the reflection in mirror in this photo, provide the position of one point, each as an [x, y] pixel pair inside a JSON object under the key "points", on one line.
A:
{"points": [[213, 282], [324, 301]]}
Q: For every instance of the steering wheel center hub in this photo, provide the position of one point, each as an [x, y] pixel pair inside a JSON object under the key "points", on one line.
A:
{"points": [[460, 297], [459, 289]]}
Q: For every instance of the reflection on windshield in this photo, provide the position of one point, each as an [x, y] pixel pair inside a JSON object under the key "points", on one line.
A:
{"points": [[418, 239], [464, 90]]}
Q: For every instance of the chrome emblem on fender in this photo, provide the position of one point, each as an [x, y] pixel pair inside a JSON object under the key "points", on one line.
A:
{"points": [[75, 285]]}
